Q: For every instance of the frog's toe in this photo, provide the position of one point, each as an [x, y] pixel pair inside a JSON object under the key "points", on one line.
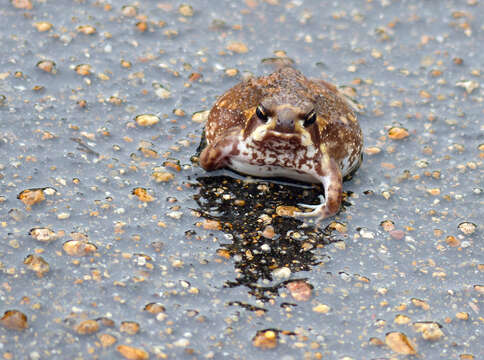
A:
{"points": [[317, 210], [311, 213], [309, 206]]}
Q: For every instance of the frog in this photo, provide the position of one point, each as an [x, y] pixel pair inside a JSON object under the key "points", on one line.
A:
{"points": [[285, 125]]}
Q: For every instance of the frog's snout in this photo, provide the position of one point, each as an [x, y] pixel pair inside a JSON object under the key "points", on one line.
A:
{"points": [[286, 120]]}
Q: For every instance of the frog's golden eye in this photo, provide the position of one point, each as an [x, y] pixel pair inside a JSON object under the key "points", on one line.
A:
{"points": [[261, 113], [310, 118]]}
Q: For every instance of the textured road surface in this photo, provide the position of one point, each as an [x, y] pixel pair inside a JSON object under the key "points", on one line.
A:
{"points": [[115, 244]]}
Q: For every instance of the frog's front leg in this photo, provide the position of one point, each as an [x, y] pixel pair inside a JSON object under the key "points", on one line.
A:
{"points": [[216, 154], [333, 192]]}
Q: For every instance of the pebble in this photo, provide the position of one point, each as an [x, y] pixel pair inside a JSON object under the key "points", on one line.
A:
{"points": [[397, 133], [63, 215], [37, 264], [400, 343], [87, 327], [78, 248], [430, 330], [182, 342], [146, 119], [129, 327], [185, 10], [265, 248], [31, 197], [282, 273], [200, 116], [467, 228], [366, 234], [469, 85], [43, 234], [299, 290], [321, 308], [14, 320], [175, 214], [132, 353], [265, 339], [237, 47]]}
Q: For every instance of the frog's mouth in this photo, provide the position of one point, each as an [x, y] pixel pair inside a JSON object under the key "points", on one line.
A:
{"points": [[298, 136], [276, 136], [272, 134], [267, 133], [275, 140]]}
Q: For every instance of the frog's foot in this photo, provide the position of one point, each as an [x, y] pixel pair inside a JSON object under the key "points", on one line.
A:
{"points": [[216, 155], [320, 211], [333, 190]]}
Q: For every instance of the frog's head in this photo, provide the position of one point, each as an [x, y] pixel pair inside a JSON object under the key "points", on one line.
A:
{"points": [[286, 112]]}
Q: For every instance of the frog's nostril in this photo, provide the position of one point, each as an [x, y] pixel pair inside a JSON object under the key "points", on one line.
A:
{"points": [[285, 125], [285, 120]]}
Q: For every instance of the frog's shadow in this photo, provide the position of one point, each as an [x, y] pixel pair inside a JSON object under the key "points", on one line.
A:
{"points": [[244, 207]]}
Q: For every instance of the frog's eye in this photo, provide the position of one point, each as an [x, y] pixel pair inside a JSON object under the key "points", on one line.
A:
{"points": [[310, 118], [261, 113]]}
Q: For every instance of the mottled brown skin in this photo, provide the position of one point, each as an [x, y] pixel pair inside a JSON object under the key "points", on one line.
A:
{"points": [[284, 137]]}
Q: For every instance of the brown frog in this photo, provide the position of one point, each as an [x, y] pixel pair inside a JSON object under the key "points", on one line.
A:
{"points": [[286, 125]]}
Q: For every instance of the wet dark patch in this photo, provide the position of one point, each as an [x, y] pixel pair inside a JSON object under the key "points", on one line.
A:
{"points": [[240, 206]]}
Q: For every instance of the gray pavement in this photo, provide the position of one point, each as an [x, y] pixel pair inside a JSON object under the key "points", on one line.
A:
{"points": [[116, 244]]}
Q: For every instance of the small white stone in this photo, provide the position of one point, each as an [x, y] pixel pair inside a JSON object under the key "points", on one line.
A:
{"points": [[63, 216], [365, 233], [162, 93], [49, 191], [469, 86], [265, 248], [182, 343], [465, 244], [282, 273], [422, 163], [175, 214], [161, 316]]}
